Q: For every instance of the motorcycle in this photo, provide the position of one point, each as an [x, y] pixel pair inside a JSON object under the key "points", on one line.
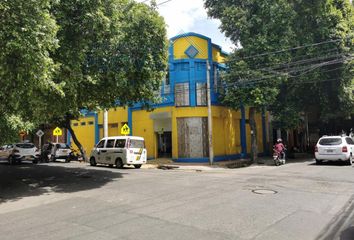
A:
{"points": [[75, 155], [279, 158]]}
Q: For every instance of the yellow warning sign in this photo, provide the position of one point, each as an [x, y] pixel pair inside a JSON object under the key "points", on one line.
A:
{"points": [[125, 130], [57, 132]]}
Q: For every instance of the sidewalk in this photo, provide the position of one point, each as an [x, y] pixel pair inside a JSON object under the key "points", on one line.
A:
{"points": [[168, 164]]}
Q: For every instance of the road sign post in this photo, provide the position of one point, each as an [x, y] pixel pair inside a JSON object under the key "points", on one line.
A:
{"points": [[57, 132], [40, 133]]}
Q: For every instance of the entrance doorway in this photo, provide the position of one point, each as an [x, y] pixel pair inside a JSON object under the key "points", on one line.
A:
{"points": [[164, 145]]}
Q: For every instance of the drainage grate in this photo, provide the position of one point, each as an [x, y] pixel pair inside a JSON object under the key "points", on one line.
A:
{"points": [[264, 191]]}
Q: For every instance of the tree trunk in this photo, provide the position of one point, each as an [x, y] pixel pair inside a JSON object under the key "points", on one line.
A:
{"points": [[76, 141], [254, 146]]}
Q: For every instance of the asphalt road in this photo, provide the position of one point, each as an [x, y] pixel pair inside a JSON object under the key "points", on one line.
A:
{"points": [[75, 201]]}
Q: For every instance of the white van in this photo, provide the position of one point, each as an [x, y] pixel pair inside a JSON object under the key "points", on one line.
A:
{"points": [[119, 151]]}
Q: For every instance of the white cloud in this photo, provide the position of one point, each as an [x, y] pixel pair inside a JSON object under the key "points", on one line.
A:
{"points": [[183, 16], [180, 15]]}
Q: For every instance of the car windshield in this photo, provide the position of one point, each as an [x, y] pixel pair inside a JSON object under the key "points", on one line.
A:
{"points": [[330, 141], [62, 145], [25, 145], [136, 143]]}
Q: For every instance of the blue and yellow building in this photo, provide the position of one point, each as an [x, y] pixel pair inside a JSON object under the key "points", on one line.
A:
{"points": [[178, 126]]}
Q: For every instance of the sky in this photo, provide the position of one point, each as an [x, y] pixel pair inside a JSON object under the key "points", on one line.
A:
{"points": [[182, 16]]}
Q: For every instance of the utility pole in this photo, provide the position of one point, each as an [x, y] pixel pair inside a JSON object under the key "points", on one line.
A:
{"points": [[105, 123], [210, 117]]}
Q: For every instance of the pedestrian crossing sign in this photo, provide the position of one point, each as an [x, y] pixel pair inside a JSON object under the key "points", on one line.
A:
{"points": [[125, 130], [57, 132]]}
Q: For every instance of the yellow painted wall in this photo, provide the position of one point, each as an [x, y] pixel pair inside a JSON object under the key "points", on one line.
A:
{"points": [[143, 126], [180, 45], [259, 132], [115, 116], [113, 130], [226, 128], [226, 131], [85, 134], [218, 56]]}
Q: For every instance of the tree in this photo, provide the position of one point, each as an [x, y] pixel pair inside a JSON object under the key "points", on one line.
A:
{"points": [[327, 77], [27, 37], [111, 53], [279, 55], [254, 25]]}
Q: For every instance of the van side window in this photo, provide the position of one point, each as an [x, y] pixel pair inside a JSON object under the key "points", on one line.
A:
{"points": [[120, 143], [134, 143], [101, 144], [110, 143]]}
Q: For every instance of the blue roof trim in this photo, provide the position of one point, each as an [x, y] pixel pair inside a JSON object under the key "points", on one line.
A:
{"points": [[189, 34], [216, 46]]}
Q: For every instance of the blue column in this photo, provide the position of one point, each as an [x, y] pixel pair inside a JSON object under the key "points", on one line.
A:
{"points": [[130, 120], [192, 84], [97, 131], [68, 137], [243, 132]]}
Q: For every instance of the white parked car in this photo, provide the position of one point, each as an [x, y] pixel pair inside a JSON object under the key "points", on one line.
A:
{"points": [[119, 151], [24, 151], [5, 151], [334, 148], [60, 151]]}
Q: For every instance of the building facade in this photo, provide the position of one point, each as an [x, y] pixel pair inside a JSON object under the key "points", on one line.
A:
{"points": [[177, 128]]}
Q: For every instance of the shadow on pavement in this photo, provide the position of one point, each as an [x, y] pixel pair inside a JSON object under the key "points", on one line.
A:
{"points": [[347, 234], [29, 179], [329, 163], [270, 161]]}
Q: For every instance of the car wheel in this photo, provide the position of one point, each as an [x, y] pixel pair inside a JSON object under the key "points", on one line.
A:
{"points": [[11, 160], [35, 161], [349, 162], [318, 162], [119, 163], [93, 161], [137, 165]]}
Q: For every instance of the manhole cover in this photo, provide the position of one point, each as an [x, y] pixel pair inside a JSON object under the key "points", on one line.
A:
{"points": [[264, 191]]}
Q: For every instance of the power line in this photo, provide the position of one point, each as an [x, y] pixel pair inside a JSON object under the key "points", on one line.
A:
{"points": [[293, 48], [159, 4], [245, 84]]}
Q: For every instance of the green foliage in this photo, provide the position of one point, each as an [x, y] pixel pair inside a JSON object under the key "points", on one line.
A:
{"points": [[10, 126], [271, 71], [257, 27], [60, 57], [111, 52], [27, 37]]}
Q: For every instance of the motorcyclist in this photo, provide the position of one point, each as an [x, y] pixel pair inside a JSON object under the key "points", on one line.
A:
{"points": [[279, 148], [46, 151]]}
